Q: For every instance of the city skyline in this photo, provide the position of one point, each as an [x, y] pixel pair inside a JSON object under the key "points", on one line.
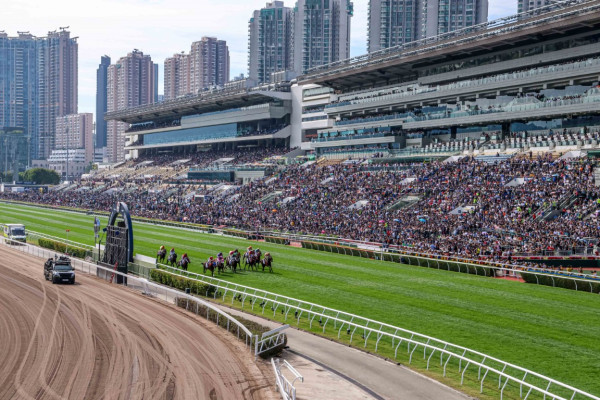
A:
{"points": [[160, 29]]}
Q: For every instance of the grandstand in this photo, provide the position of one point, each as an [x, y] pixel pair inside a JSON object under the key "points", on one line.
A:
{"points": [[226, 119], [507, 87]]}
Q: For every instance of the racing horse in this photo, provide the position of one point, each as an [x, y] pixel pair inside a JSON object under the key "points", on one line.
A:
{"points": [[220, 264], [172, 259], [232, 262], [161, 255], [210, 265], [252, 259], [183, 263], [267, 262]]}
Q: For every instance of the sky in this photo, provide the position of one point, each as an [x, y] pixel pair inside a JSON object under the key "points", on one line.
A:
{"points": [[159, 28]]}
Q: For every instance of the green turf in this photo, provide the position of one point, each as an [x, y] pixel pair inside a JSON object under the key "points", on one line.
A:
{"points": [[552, 331]]}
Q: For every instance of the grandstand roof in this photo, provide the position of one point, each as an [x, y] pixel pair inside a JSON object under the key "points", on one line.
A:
{"points": [[196, 104], [385, 66]]}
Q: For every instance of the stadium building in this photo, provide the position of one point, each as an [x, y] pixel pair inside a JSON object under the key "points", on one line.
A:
{"points": [[500, 87], [507, 84], [232, 119]]}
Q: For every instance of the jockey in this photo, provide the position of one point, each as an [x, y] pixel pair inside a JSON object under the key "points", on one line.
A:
{"points": [[172, 254], [210, 260], [220, 257], [231, 253], [185, 259]]}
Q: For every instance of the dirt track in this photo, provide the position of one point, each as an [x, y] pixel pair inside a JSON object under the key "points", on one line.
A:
{"points": [[97, 341]]}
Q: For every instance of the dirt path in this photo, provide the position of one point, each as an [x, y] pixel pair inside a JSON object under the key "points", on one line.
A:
{"points": [[97, 341]]}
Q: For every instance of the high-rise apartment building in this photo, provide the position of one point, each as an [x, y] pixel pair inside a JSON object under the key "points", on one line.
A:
{"points": [[210, 63], [392, 23], [445, 16], [130, 82], [529, 5], [270, 42], [18, 85], [38, 82], [321, 32], [206, 66], [177, 76], [396, 22], [76, 131], [57, 85], [101, 100]]}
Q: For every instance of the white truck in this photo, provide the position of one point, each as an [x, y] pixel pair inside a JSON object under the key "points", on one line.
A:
{"points": [[15, 232]]}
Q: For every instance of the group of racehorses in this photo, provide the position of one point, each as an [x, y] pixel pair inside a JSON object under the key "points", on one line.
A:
{"points": [[251, 260]]}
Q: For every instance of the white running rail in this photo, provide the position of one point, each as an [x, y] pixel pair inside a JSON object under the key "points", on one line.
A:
{"points": [[286, 388], [527, 381]]}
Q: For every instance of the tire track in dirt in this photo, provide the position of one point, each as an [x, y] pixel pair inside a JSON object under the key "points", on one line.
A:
{"points": [[94, 340]]}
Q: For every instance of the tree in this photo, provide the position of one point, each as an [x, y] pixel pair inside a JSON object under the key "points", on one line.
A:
{"points": [[41, 176]]}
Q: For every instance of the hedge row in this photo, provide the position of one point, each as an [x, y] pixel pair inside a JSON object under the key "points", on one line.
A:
{"points": [[243, 234], [562, 282], [235, 233], [62, 248], [437, 263], [181, 283], [277, 240]]}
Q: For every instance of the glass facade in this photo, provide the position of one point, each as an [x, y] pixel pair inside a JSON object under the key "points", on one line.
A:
{"points": [[192, 134]]}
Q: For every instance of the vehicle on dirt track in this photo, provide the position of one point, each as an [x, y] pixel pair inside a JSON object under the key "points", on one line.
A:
{"points": [[59, 270]]}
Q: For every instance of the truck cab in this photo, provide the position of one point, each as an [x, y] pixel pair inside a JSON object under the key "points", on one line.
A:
{"points": [[59, 270], [15, 232]]}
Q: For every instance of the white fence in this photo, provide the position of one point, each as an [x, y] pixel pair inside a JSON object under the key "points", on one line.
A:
{"points": [[285, 387], [146, 287], [270, 340], [482, 365]]}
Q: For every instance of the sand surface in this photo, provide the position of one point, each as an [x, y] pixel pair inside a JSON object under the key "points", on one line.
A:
{"points": [[93, 340]]}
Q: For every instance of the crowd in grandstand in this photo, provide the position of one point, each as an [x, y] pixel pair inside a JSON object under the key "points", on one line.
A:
{"points": [[465, 208]]}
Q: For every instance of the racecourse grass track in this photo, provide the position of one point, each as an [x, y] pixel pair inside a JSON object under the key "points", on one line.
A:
{"points": [[548, 330]]}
